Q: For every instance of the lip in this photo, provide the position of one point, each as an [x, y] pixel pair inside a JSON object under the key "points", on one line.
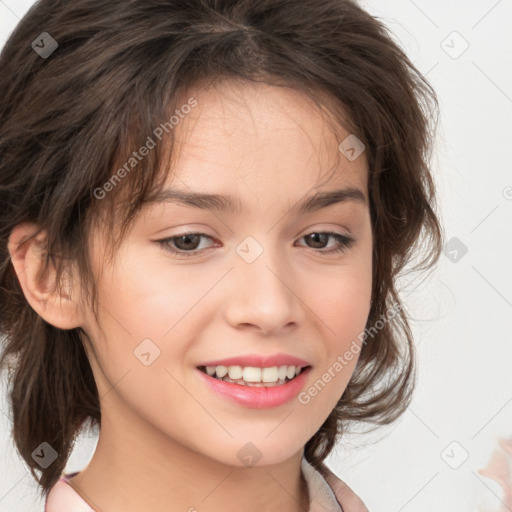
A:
{"points": [[257, 397], [259, 361]]}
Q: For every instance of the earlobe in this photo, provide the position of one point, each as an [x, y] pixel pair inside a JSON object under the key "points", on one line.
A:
{"points": [[58, 307]]}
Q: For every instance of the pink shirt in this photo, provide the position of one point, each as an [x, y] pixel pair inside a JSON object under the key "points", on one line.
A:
{"points": [[326, 495]]}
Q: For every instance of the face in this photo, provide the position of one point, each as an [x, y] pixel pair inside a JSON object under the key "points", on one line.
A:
{"points": [[267, 277]]}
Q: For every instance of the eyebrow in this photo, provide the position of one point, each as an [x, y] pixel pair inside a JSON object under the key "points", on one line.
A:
{"points": [[232, 204]]}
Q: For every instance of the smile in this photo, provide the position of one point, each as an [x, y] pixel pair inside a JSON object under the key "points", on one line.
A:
{"points": [[253, 376], [259, 394]]}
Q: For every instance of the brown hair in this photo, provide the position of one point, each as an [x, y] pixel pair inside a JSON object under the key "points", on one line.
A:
{"points": [[70, 119]]}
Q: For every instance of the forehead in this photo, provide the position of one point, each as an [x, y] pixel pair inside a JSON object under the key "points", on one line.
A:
{"points": [[263, 137]]}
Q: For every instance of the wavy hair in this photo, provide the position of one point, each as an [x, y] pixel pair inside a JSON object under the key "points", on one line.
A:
{"points": [[69, 120]]}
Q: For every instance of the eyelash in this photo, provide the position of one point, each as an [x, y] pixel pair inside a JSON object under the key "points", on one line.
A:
{"points": [[344, 243]]}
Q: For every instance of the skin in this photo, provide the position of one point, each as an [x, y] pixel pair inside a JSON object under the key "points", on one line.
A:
{"points": [[165, 437]]}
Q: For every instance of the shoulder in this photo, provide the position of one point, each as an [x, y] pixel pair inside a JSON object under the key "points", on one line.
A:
{"points": [[349, 500], [63, 498]]}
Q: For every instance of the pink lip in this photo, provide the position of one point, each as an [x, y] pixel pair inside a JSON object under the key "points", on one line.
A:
{"points": [[257, 397], [259, 361]]}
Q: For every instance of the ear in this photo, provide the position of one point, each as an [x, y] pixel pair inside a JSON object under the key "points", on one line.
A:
{"points": [[58, 309]]}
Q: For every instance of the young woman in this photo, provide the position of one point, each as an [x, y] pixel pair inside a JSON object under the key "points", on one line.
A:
{"points": [[204, 209]]}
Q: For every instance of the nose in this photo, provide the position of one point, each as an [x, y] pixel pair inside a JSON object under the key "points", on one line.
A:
{"points": [[264, 295]]}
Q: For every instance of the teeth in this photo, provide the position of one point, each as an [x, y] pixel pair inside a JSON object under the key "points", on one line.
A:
{"points": [[290, 373], [220, 371], [283, 370], [270, 374], [251, 375], [235, 372]]}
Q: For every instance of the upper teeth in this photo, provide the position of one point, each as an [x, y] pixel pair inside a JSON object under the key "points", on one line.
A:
{"points": [[254, 374]]}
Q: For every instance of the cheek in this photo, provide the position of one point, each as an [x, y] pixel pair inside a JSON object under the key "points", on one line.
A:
{"points": [[342, 301], [149, 314], [343, 310], [148, 299]]}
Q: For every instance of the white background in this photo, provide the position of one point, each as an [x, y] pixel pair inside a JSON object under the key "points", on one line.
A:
{"points": [[463, 311]]}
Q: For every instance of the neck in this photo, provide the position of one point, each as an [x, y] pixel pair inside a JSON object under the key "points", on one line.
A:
{"points": [[156, 471]]}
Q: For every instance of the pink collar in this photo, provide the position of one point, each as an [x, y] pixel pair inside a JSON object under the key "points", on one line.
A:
{"points": [[324, 494]]}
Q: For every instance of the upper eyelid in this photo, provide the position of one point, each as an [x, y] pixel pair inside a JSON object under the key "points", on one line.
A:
{"points": [[200, 233], [332, 234]]}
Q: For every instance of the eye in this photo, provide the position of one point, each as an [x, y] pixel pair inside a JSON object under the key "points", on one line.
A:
{"points": [[185, 244], [188, 244], [343, 242]]}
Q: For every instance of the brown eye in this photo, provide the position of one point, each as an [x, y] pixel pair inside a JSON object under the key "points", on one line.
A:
{"points": [[185, 244], [318, 240]]}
